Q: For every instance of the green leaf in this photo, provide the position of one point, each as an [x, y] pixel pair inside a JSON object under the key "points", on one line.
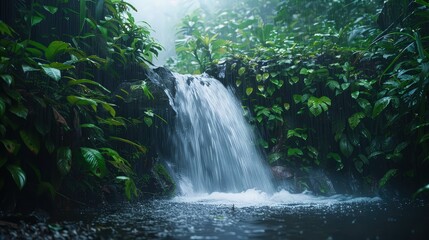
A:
{"points": [[424, 138], [318, 105], [64, 160], [31, 140], [8, 79], [249, 91], [95, 161], [286, 106], [274, 157], [364, 104], [11, 146], [81, 101], [421, 190], [333, 85], [142, 148], [73, 82], [52, 73], [51, 9], [258, 77], [36, 19], [294, 152], [346, 147], [355, 119], [304, 71], [241, 71], [5, 29], [55, 48], [3, 161], [380, 105], [19, 110], [265, 76], [148, 121], [355, 94], [18, 175], [2, 107], [108, 107], [344, 86], [387, 176], [298, 133]]}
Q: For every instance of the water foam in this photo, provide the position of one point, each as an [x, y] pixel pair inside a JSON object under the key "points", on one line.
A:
{"points": [[257, 198]]}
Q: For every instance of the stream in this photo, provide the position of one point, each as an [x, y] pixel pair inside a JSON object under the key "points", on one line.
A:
{"points": [[222, 216]]}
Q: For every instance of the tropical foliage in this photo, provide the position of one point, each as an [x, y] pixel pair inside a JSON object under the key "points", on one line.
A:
{"points": [[340, 85], [59, 61]]}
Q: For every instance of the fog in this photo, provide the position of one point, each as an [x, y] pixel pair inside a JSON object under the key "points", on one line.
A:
{"points": [[163, 16]]}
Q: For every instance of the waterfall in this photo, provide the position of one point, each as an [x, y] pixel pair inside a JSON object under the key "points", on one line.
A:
{"points": [[213, 146]]}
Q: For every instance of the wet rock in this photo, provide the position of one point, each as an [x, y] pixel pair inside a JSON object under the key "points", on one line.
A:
{"points": [[320, 183], [281, 172]]}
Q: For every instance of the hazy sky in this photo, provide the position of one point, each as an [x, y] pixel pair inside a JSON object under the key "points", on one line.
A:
{"points": [[163, 16]]}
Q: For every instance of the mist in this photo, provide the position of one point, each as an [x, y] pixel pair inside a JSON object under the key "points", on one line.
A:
{"points": [[163, 16]]}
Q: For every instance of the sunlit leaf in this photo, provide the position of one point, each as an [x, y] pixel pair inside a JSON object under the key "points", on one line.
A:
{"points": [[241, 71], [18, 175], [249, 91]]}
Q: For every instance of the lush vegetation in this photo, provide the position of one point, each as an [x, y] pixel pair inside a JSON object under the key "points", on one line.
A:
{"points": [[59, 127], [339, 85]]}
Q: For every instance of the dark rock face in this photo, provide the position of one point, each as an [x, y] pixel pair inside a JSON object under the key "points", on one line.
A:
{"points": [[145, 96]]}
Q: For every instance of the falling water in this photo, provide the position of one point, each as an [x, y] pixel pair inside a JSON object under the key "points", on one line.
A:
{"points": [[214, 146]]}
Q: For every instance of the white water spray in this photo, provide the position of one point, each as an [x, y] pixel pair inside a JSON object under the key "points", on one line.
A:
{"points": [[215, 149]]}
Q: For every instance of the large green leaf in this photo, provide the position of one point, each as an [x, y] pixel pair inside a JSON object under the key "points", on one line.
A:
{"points": [[31, 140], [64, 160], [318, 105], [55, 48], [18, 175], [355, 119], [52, 73], [95, 161], [380, 105], [81, 100]]}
